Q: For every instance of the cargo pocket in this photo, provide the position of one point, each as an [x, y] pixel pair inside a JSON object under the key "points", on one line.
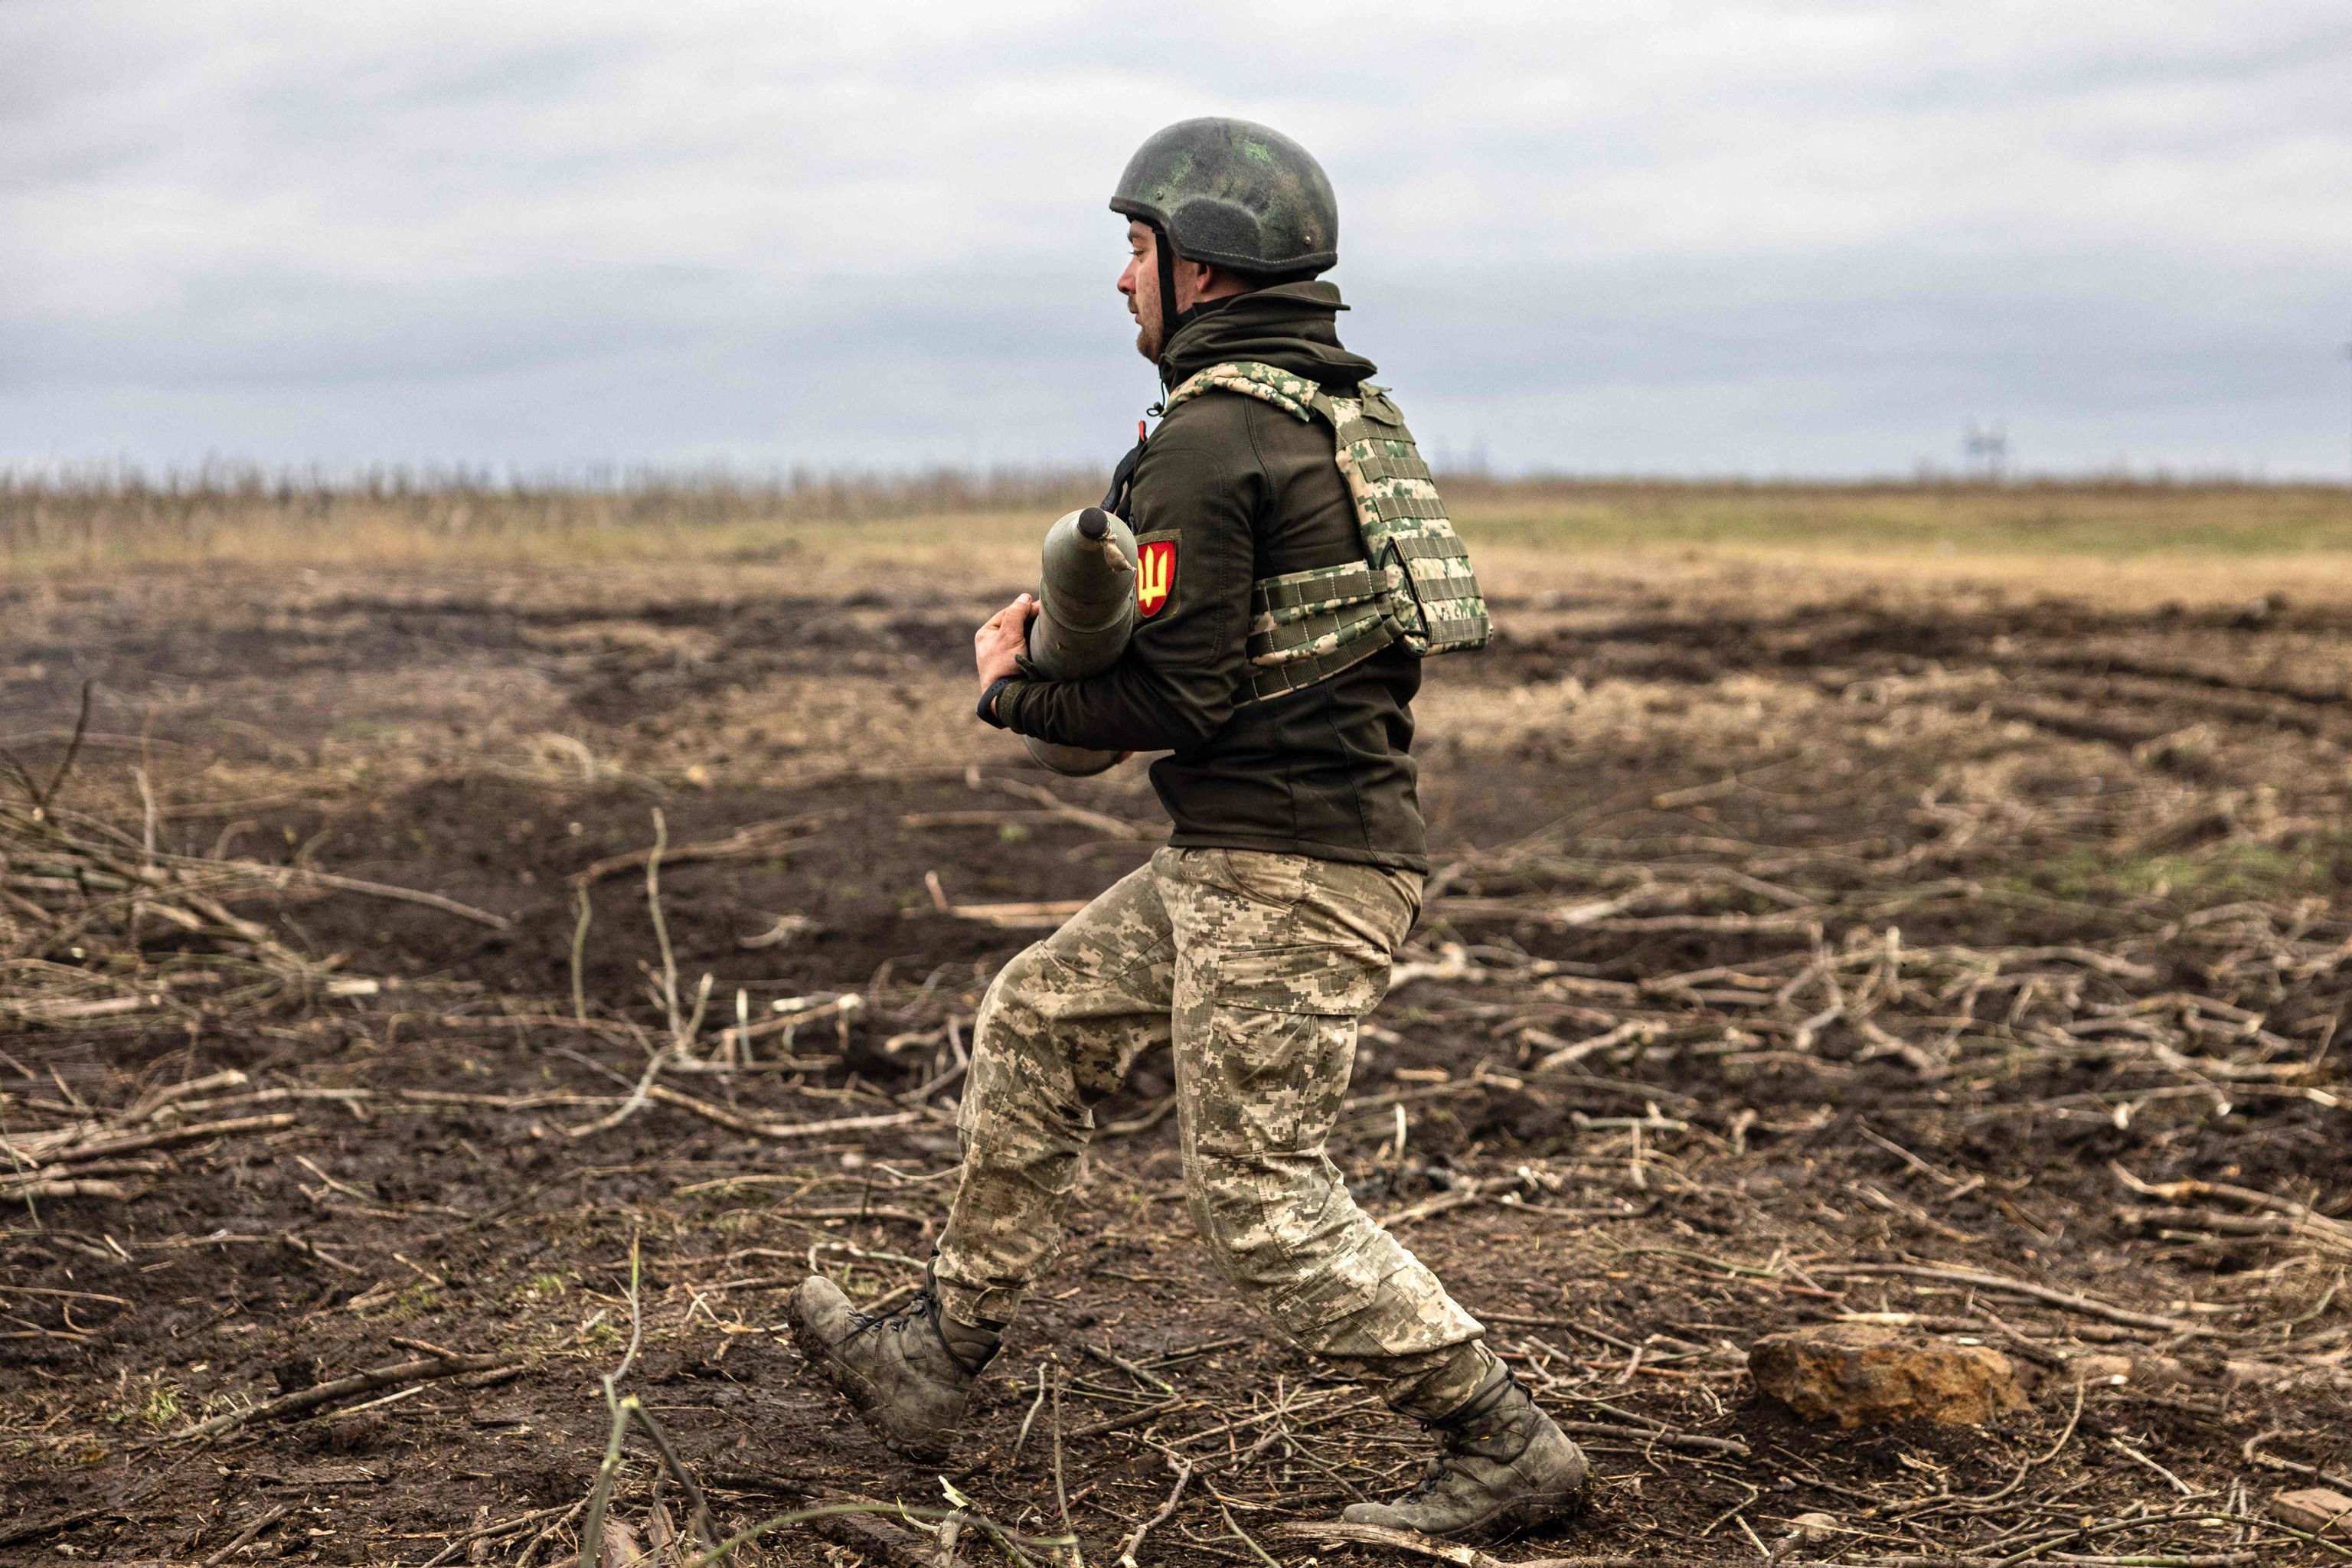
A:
{"points": [[1273, 1063], [1319, 978]]}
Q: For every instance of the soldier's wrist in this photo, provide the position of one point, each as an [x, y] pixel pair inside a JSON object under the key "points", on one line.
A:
{"points": [[988, 714]]}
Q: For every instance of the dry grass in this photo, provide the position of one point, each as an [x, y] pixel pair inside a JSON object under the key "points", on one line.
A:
{"points": [[2133, 544], [2123, 545], [52, 527]]}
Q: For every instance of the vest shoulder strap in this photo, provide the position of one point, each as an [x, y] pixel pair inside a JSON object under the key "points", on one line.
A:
{"points": [[1294, 394], [1414, 585]]}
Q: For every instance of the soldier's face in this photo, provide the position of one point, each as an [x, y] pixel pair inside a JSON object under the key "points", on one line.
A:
{"points": [[1140, 284]]}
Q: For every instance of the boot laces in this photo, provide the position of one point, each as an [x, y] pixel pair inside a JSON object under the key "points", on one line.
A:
{"points": [[1432, 1477], [922, 1304], [1450, 1432]]}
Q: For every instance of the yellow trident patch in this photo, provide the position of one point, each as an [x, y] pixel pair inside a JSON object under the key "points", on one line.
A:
{"points": [[1155, 576]]}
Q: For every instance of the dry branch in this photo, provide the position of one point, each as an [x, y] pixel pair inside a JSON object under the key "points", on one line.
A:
{"points": [[728, 1119], [342, 1387], [2302, 1219], [1110, 826], [1037, 916], [759, 838], [265, 874], [2066, 1298], [1661, 1436], [252, 1529]]}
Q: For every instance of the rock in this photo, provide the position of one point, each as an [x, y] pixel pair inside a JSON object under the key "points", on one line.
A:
{"points": [[1864, 1374], [2315, 1509]]}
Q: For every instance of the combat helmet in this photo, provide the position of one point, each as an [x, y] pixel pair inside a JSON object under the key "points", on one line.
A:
{"points": [[1232, 194]]}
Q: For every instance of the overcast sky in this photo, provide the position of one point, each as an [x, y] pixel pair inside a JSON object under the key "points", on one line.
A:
{"points": [[1631, 236]]}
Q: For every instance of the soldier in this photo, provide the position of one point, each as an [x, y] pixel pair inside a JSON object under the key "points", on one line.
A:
{"points": [[1294, 565]]}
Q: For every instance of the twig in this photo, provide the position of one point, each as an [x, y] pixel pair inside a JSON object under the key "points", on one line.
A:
{"points": [[1038, 915], [1022, 1438], [531, 1549], [699, 1509], [2307, 1219], [2128, 1452], [760, 838], [514, 1526], [147, 843], [1110, 826], [260, 1525], [636, 1318], [1134, 1543], [1335, 1533], [1243, 1537], [786, 1129], [2066, 1298], [1133, 1370], [23, 1173], [1003, 1535], [1663, 1436], [592, 1529], [579, 955], [2252, 1450], [1144, 1416], [661, 927], [66, 762], [279, 876], [170, 1135], [2069, 1433], [1061, 1492], [629, 1107], [358, 1383]]}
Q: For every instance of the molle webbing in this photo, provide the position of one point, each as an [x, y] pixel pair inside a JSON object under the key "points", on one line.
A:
{"points": [[1414, 585]]}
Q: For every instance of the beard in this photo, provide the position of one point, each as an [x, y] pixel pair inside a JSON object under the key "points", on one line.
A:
{"points": [[1147, 330]]}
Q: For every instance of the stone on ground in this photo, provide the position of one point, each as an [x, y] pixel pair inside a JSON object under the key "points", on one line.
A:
{"points": [[1863, 1375], [2315, 1509]]}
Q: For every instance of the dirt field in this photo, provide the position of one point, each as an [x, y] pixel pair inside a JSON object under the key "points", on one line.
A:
{"points": [[1810, 935]]}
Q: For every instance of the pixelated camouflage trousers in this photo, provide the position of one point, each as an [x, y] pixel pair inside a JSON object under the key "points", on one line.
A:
{"points": [[1256, 968]]}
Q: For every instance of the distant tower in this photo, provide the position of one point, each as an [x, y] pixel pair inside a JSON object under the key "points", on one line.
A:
{"points": [[1986, 448]]}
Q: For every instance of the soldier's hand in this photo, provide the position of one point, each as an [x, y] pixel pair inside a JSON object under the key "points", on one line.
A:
{"points": [[997, 646]]}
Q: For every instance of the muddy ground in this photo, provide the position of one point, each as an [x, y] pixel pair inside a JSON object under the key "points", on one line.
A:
{"points": [[1781, 940]]}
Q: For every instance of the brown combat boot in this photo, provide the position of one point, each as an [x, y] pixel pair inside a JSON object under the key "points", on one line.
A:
{"points": [[1503, 1468], [908, 1372]]}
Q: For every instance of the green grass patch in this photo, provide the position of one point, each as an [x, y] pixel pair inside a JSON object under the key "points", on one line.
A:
{"points": [[2220, 873]]}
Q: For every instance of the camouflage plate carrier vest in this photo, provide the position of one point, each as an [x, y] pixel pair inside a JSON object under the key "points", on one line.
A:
{"points": [[1414, 585]]}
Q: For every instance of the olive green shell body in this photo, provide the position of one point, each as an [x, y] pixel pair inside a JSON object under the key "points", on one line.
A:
{"points": [[1086, 614]]}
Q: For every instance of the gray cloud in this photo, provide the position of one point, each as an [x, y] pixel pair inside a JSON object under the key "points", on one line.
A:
{"points": [[1670, 237]]}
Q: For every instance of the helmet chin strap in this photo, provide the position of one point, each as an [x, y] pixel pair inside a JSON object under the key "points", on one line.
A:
{"points": [[1172, 321]]}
